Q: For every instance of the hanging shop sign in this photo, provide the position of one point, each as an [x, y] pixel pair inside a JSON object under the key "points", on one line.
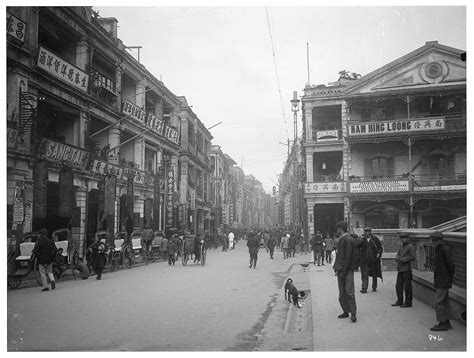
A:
{"points": [[379, 186], [12, 137], [322, 136], [63, 153], [391, 127], [171, 134], [18, 201], [62, 70], [440, 187], [104, 168], [325, 187], [155, 123], [16, 27], [169, 197], [133, 111]]}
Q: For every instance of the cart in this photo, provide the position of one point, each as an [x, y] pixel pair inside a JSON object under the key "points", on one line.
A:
{"points": [[21, 263], [63, 239], [187, 250]]}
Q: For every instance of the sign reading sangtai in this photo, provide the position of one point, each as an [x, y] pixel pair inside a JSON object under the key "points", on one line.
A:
{"points": [[388, 127]]}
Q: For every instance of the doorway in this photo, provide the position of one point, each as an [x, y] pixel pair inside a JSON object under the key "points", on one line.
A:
{"points": [[326, 216]]}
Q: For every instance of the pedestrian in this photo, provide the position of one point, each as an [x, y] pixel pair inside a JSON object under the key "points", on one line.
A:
{"points": [[317, 246], [231, 240], [59, 264], [197, 248], [176, 242], [404, 258], [129, 226], [345, 264], [98, 257], [271, 242], [285, 244], [329, 248], [171, 252], [164, 248], [45, 250], [292, 245], [147, 238], [253, 245], [81, 270], [370, 259], [443, 281]]}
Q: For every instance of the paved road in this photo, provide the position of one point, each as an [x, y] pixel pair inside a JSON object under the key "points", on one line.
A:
{"points": [[216, 307]]}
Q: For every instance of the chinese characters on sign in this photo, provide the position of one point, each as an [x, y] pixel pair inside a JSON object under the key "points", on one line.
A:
{"points": [[387, 127], [63, 70], [153, 122], [18, 200], [169, 197], [133, 111], [324, 187], [16, 27], [379, 186], [104, 168]]}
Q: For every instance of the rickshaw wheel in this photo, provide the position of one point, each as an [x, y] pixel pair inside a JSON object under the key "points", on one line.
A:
{"points": [[14, 282], [36, 272], [203, 256], [75, 260], [184, 259], [127, 256]]}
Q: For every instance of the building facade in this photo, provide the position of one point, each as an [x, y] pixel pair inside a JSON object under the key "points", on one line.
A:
{"points": [[388, 150]]}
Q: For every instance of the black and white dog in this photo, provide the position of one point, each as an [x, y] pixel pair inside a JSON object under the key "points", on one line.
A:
{"points": [[291, 292]]}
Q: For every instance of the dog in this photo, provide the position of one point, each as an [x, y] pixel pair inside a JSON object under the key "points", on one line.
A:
{"points": [[291, 292]]}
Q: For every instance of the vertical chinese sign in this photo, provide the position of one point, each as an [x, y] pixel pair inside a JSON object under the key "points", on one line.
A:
{"points": [[169, 197]]}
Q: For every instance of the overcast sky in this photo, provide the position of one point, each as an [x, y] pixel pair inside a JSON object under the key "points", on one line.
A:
{"points": [[221, 60]]}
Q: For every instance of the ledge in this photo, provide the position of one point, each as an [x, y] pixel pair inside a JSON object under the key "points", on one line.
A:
{"points": [[425, 278]]}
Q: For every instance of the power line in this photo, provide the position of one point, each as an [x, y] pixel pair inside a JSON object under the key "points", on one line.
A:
{"points": [[276, 72]]}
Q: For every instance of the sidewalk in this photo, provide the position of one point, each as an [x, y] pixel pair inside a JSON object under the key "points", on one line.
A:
{"points": [[379, 326]]}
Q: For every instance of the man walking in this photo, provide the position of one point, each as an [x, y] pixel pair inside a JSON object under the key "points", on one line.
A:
{"points": [[329, 247], [404, 258], [292, 245], [346, 263], [443, 280], [370, 263], [253, 245], [317, 246], [271, 242], [231, 240], [45, 250], [285, 241]]}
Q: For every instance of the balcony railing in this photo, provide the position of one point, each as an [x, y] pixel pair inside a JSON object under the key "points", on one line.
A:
{"points": [[431, 183], [101, 81], [323, 136]]}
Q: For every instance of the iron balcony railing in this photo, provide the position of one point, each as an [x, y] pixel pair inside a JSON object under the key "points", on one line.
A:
{"points": [[418, 180]]}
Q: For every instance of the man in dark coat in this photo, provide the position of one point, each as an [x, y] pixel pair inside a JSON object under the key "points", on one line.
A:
{"points": [[370, 263], [443, 281], [271, 242], [253, 245], [344, 266], [404, 258], [292, 245], [45, 251], [317, 246], [98, 257]]}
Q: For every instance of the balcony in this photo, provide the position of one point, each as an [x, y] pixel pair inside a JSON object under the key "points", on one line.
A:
{"points": [[426, 183], [324, 136], [103, 88]]}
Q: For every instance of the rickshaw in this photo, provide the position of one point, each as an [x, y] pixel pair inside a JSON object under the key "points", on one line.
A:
{"points": [[111, 262], [137, 251], [187, 250], [63, 240], [155, 252], [22, 263], [122, 251]]}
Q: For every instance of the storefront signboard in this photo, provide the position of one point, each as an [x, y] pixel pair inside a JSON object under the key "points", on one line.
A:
{"points": [[103, 168], [322, 136], [133, 111], [396, 126], [325, 187], [169, 198], [63, 153], [379, 186], [16, 27], [63, 70], [155, 123], [440, 187]]}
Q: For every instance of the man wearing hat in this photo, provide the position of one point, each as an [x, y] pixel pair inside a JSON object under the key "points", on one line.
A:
{"points": [[443, 280], [404, 258], [370, 263], [45, 250]]}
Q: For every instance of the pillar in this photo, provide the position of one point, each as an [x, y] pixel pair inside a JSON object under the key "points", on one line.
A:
{"points": [[140, 94], [308, 122], [79, 232], [139, 152], [82, 54], [114, 140], [118, 82]]}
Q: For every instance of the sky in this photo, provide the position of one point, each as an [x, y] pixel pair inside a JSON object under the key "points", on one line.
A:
{"points": [[221, 59]]}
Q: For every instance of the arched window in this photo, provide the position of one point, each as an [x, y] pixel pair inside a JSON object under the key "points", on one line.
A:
{"points": [[382, 217]]}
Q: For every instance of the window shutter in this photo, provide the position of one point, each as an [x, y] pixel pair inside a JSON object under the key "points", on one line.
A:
{"points": [[390, 166], [367, 167]]}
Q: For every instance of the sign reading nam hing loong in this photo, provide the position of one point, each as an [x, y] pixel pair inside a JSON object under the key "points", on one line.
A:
{"points": [[387, 127], [379, 186], [151, 121], [62, 70], [16, 27]]}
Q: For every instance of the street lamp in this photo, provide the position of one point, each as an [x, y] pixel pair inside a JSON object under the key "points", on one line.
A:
{"points": [[295, 102]]}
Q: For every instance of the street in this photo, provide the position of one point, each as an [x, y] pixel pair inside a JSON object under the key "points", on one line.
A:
{"points": [[217, 307]]}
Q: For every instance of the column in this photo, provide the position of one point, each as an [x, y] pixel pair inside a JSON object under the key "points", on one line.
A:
{"points": [[114, 140], [118, 82], [310, 204], [159, 108], [139, 152], [140, 94], [82, 54], [309, 122], [309, 166]]}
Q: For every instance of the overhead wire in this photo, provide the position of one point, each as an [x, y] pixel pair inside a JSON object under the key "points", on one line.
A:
{"points": [[276, 72]]}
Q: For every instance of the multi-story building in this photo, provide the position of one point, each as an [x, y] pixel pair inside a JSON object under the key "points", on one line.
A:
{"points": [[219, 187], [90, 130], [389, 150], [194, 172], [235, 203]]}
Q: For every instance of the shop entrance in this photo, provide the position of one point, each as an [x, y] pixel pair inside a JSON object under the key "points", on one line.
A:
{"points": [[326, 216]]}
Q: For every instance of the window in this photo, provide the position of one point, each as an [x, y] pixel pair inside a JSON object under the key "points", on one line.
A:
{"points": [[440, 165], [378, 167], [382, 217]]}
